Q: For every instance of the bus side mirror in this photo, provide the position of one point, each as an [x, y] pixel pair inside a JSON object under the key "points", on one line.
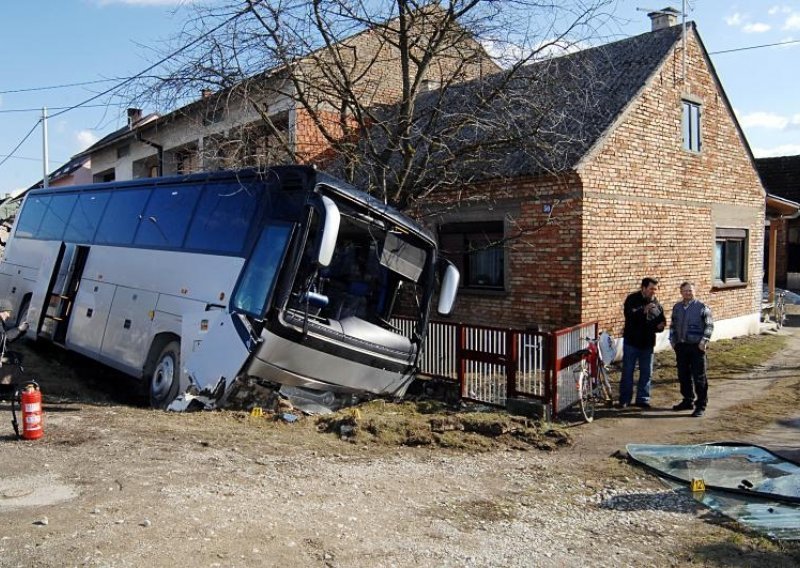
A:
{"points": [[448, 289], [330, 232]]}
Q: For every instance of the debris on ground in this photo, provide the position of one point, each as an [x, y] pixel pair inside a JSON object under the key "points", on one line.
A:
{"points": [[427, 423]]}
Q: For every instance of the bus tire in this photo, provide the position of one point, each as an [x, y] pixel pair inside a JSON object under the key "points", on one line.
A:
{"points": [[165, 378]]}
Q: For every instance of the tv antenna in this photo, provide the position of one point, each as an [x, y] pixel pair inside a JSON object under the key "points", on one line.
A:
{"points": [[684, 5]]}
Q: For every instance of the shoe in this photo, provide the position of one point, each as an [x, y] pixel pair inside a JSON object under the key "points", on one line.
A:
{"points": [[622, 405], [698, 412], [645, 405], [683, 406]]}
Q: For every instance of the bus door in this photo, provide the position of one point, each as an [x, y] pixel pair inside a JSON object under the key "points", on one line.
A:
{"points": [[215, 345], [45, 281], [63, 292]]}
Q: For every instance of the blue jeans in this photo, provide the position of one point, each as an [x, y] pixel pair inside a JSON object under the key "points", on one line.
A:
{"points": [[630, 357]]}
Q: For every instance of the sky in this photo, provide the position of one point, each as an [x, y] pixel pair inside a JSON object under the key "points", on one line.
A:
{"points": [[50, 43]]}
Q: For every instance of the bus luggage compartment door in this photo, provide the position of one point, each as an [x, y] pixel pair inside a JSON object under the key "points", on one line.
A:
{"points": [[215, 346], [127, 332], [89, 316]]}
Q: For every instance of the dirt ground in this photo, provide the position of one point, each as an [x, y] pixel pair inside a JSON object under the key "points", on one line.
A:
{"points": [[115, 484]]}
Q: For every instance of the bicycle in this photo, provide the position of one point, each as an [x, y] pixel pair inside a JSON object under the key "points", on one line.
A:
{"points": [[780, 308], [592, 377]]}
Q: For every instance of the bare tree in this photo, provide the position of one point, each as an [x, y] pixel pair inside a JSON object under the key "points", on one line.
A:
{"points": [[402, 97]]}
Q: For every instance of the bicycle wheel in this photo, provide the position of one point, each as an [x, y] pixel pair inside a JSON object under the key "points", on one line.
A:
{"points": [[605, 386], [586, 396]]}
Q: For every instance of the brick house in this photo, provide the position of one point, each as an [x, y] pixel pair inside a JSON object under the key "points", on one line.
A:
{"points": [[781, 178], [653, 178]]}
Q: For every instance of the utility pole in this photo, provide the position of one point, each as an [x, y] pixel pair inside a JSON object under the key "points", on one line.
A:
{"points": [[45, 157]]}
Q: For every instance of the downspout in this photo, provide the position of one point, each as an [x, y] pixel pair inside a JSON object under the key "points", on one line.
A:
{"points": [[159, 149]]}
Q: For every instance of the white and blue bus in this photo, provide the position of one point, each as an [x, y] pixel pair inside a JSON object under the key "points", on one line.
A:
{"points": [[288, 275]]}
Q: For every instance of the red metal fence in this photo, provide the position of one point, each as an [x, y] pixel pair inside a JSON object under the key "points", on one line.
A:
{"points": [[493, 364]]}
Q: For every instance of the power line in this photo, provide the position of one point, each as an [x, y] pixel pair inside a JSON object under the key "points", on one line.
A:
{"points": [[11, 110], [153, 66], [754, 47], [63, 86], [126, 81], [59, 162], [21, 142]]}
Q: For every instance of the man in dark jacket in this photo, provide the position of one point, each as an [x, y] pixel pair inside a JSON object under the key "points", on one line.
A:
{"points": [[644, 317], [689, 334]]}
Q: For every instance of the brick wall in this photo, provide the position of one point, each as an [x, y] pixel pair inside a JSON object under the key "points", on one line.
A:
{"points": [[375, 77], [543, 251]]}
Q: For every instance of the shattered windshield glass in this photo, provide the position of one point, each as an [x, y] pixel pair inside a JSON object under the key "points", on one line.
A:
{"points": [[750, 484]]}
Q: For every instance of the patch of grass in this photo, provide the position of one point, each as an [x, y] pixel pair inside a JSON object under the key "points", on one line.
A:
{"points": [[727, 358], [743, 548]]}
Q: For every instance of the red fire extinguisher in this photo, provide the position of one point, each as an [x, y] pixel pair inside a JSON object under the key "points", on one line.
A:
{"points": [[29, 398]]}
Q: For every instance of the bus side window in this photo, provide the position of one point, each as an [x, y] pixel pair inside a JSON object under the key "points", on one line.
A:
{"points": [[31, 216], [167, 216], [56, 217], [121, 217], [222, 219], [85, 217]]}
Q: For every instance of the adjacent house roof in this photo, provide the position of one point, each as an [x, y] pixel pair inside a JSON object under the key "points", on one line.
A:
{"points": [[541, 118], [585, 92], [70, 167], [781, 208], [781, 176], [126, 131]]}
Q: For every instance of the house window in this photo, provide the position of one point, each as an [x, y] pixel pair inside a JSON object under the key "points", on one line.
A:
{"points": [[691, 126], [123, 151], [730, 256], [477, 251], [186, 163], [103, 177]]}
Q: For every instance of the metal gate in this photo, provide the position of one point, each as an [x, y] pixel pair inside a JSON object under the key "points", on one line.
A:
{"points": [[493, 364]]}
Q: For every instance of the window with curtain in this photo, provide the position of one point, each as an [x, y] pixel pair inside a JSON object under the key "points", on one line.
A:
{"points": [[730, 256], [478, 251]]}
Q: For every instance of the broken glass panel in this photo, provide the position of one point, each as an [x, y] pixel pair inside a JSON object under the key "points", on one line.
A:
{"points": [[748, 483]]}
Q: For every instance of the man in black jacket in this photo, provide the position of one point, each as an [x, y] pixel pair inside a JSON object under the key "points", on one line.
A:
{"points": [[644, 317]]}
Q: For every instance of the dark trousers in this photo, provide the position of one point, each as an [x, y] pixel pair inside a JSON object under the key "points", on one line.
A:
{"points": [[692, 374]]}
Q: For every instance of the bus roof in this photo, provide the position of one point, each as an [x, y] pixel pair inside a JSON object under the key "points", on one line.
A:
{"points": [[307, 176]]}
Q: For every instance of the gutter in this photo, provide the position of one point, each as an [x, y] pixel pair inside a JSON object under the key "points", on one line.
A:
{"points": [[778, 203]]}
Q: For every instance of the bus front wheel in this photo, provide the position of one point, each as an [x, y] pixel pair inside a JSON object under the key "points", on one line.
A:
{"points": [[165, 379]]}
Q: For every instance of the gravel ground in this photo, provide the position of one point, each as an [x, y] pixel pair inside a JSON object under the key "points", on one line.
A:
{"points": [[113, 484], [133, 508]]}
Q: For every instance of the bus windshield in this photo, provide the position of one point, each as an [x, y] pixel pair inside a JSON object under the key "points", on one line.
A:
{"points": [[258, 278], [375, 272]]}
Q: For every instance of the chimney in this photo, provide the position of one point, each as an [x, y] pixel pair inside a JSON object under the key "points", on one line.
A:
{"points": [[205, 93], [665, 18], [134, 116]]}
